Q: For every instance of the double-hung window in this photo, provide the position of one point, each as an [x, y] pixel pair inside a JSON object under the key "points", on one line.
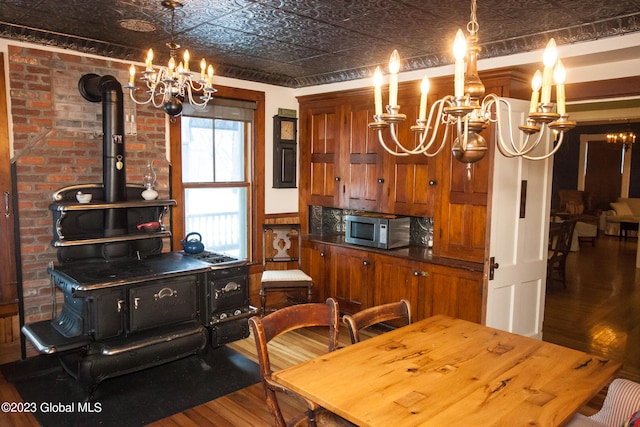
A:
{"points": [[215, 177]]}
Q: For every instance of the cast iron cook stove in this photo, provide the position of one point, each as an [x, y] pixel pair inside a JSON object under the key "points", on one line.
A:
{"points": [[127, 304]]}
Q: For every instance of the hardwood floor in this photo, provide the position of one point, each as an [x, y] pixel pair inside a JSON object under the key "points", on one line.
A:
{"points": [[597, 313]]}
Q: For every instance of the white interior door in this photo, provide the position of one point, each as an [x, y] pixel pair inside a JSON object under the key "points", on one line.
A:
{"points": [[520, 207]]}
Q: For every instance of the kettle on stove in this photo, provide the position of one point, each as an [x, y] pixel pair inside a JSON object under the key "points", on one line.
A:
{"points": [[192, 243]]}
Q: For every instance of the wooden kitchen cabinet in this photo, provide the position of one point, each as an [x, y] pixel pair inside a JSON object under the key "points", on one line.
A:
{"points": [[315, 262], [398, 278], [344, 166], [320, 179], [359, 278], [365, 184], [350, 278], [454, 292], [430, 288]]}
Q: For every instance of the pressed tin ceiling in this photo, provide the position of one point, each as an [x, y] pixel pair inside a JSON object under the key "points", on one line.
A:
{"points": [[310, 42]]}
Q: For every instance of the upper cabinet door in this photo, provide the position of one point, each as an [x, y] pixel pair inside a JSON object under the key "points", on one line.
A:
{"points": [[366, 186], [413, 180], [320, 175]]}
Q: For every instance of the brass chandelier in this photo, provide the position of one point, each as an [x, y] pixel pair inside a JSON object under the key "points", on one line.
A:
{"points": [[468, 111], [626, 138], [169, 86]]}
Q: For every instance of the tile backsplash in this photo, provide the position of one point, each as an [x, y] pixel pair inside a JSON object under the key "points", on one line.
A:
{"points": [[329, 221]]}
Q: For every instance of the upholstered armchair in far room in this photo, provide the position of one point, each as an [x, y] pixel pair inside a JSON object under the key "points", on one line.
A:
{"points": [[576, 204]]}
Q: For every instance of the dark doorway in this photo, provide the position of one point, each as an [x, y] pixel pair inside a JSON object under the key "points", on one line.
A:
{"points": [[603, 177]]}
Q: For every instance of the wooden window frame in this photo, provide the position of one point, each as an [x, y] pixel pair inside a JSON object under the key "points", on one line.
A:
{"points": [[255, 173]]}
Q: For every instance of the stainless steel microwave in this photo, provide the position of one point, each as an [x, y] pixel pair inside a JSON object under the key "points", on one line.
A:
{"points": [[377, 231]]}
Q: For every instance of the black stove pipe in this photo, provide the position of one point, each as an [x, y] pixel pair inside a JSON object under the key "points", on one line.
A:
{"points": [[107, 89]]}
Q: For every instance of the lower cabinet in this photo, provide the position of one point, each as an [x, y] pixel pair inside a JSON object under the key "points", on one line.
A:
{"points": [[315, 258], [351, 279], [358, 279], [398, 278], [454, 292]]}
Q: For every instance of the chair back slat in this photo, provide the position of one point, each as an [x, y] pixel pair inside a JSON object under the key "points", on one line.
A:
{"points": [[374, 315]]}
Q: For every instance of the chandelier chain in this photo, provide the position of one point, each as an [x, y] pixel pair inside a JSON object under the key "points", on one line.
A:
{"points": [[472, 25], [173, 46]]}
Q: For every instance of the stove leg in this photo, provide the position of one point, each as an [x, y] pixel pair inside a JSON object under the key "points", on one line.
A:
{"points": [[202, 357]]}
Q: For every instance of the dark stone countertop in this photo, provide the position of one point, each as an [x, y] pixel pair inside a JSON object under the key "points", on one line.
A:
{"points": [[416, 253]]}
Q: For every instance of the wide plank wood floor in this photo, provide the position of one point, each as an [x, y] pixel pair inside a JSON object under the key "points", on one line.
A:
{"points": [[597, 313]]}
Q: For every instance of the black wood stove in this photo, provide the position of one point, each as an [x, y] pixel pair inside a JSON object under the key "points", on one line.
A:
{"points": [[127, 304]]}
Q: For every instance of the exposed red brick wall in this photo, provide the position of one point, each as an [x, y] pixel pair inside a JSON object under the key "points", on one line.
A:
{"points": [[58, 142]]}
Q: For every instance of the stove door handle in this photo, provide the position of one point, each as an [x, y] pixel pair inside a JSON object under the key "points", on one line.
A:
{"points": [[165, 292]]}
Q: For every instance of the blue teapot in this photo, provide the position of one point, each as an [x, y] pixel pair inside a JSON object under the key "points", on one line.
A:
{"points": [[192, 245]]}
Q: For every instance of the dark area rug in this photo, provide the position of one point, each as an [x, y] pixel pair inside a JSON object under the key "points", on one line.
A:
{"points": [[133, 399]]}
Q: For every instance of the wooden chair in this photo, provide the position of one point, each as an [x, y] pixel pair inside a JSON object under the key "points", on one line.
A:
{"points": [[378, 314], [578, 205], [266, 328], [559, 248], [281, 247]]}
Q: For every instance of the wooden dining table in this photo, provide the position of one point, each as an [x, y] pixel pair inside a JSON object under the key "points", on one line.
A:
{"points": [[443, 371]]}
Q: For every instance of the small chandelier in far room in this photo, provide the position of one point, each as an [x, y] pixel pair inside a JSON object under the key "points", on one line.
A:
{"points": [[626, 138], [169, 86]]}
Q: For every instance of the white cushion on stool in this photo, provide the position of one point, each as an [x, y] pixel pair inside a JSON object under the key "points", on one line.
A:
{"points": [[285, 276]]}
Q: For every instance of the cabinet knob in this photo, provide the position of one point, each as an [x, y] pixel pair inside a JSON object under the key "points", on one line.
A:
{"points": [[365, 262], [380, 180], [433, 182], [337, 178], [322, 254], [421, 273], [120, 305]]}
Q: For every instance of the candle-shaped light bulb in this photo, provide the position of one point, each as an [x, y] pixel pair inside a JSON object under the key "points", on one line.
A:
{"points": [[203, 69], [377, 91], [186, 58], [210, 75], [424, 91], [459, 52], [172, 67], [149, 60], [549, 58], [180, 68], [559, 75], [132, 75], [536, 84], [394, 68]]}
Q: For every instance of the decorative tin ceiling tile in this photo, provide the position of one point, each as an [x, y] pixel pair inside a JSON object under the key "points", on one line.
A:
{"points": [[309, 42]]}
